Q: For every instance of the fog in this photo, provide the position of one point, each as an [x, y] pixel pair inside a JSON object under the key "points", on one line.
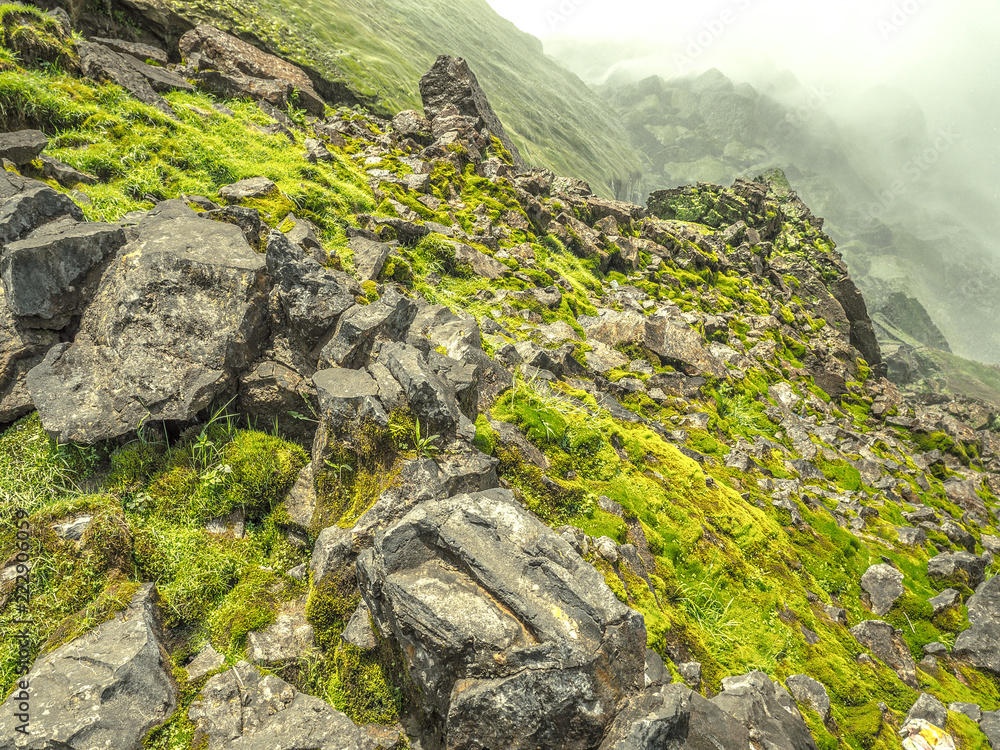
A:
{"points": [[910, 85]]}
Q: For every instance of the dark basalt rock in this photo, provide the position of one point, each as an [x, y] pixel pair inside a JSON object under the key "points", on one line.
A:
{"points": [[22, 146], [980, 644], [103, 64]]}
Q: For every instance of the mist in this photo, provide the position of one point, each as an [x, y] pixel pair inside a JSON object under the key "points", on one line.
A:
{"points": [[906, 87]]}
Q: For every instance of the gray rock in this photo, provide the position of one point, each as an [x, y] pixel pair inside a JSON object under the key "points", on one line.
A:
{"points": [[887, 644], [248, 189], [428, 395], [243, 709], [50, 277], [73, 530], [935, 649], [289, 637], [451, 82], [481, 264], [64, 174], [911, 537], [369, 257], [971, 710], [303, 234], [766, 709], [160, 79], [31, 207], [989, 725], [300, 503], [207, 660], [958, 536], [359, 629], [947, 599], [357, 329], [884, 585], [103, 64], [691, 672], [957, 568], [316, 151], [655, 672], [512, 638], [21, 349], [139, 51], [810, 692], [171, 327], [273, 394], [22, 146], [930, 709], [991, 543], [980, 644], [104, 689], [411, 124], [233, 524], [347, 397]]}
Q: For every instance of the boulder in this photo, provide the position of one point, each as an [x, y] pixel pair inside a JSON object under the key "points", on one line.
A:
{"points": [[947, 599], [242, 708], [288, 638], [103, 64], [22, 146], [21, 349], [29, 206], [346, 398], [357, 329], [248, 189], [276, 394], [480, 263], [953, 568], [64, 174], [49, 277], [175, 321], [980, 644], [887, 644], [766, 709], [884, 585], [811, 693], [989, 725], [958, 536], [411, 124], [369, 257], [136, 49], [511, 637], [207, 660], [219, 60], [450, 81], [930, 709], [429, 396], [104, 689]]}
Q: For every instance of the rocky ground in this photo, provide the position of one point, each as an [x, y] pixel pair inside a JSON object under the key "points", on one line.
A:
{"points": [[340, 432]]}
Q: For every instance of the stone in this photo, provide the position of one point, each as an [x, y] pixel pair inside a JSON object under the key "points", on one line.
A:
{"points": [[766, 709], [411, 124], [346, 398], [278, 395], [50, 277], [429, 396], [980, 644], [288, 638], [139, 51], [32, 207], [451, 82], [810, 692], [930, 709], [316, 151], [21, 349], [300, 503], [947, 599], [103, 64], [357, 329], [247, 219], [74, 529], [884, 586], [655, 672], [249, 189], [971, 710], [207, 49], [64, 174], [369, 257], [104, 689], [359, 631], [207, 660], [956, 568], [242, 708], [22, 146], [480, 263], [959, 536], [511, 637], [887, 644], [690, 671], [144, 355], [989, 725]]}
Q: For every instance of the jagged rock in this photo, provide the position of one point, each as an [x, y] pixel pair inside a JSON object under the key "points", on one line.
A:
{"points": [[690, 671], [369, 257], [674, 717], [357, 329], [959, 536], [20, 350], [303, 234], [887, 644], [480, 263], [910, 537], [989, 724], [73, 529], [358, 631], [30, 205], [980, 644], [289, 637], [274, 394], [766, 709], [410, 124], [246, 69], [248, 189], [347, 398], [22, 146], [947, 599], [142, 354], [884, 585], [242, 708], [103, 64], [316, 151], [810, 692], [64, 174], [450, 81], [429, 397], [971, 710], [136, 49], [655, 672], [957, 568], [104, 689], [513, 639], [930, 709], [50, 276], [207, 660]]}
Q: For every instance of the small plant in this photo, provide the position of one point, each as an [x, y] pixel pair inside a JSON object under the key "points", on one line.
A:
{"points": [[424, 444], [339, 469]]}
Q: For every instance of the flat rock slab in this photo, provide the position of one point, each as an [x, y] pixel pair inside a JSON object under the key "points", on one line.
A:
{"points": [[104, 64], [22, 146], [288, 637], [105, 689], [887, 644], [250, 188]]}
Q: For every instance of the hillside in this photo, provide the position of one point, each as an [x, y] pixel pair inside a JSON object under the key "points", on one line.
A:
{"points": [[339, 431]]}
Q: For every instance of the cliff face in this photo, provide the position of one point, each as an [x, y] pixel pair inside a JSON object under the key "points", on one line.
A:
{"points": [[346, 431]]}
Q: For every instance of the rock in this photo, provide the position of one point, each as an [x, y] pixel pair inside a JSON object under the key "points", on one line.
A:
{"points": [[316, 151], [21, 349], [957, 568], [74, 529], [303, 234], [910, 537], [249, 189], [241, 66], [691, 673], [242, 708], [810, 692], [884, 585], [971, 710], [369, 257], [274, 394], [144, 52], [428, 395], [300, 503], [989, 724], [289, 637], [357, 329], [887, 644], [50, 277], [480, 263], [248, 220], [145, 354], [64, 174], [674, 717], [32, 207], [511, 637], [411, 124], [766, 709], [947, 599], [102, 64], [930, 709], [104, 689], [936, 649], [980, 644], [655, 672], [959, 536], [359, 629], [22, 146], [450, 81], [991, 543], [922, 735], [346, 398]]}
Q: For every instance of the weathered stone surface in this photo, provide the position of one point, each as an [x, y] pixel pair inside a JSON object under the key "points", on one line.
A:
{"points": [[512, 637], [104, 689], [990, 726], [480, 263], [950, 568], [810, 692], [300, 503], [243, 709], [980, 644], [22, 146], [930, 709], [411, 124], [766, 709], [428, 395], [884, 585], [177, 316], [947, 599], [64, 174], [30, 205], [20, 350], [103, 64], [207, 660], [887, 644], [248, 189], [289, 637], [359, 629], [50, 277], [971, 710], [369, 257], [450, 81], [206, 49], [139, 51], [275, 394], [357, 329], [959, 536], [347, 397]]}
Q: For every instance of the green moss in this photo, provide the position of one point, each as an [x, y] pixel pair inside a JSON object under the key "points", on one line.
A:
{"points": [[251, 605]]}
